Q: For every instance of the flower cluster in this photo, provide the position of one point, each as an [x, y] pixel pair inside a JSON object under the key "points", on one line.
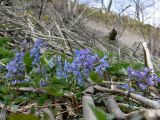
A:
{"points": [[84, 62], [16, 68], [35, 51], [143, 78]]}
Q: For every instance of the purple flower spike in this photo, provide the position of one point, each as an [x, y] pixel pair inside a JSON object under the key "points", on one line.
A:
{"points": [[150, 81], [16, 67], [35, 51]]}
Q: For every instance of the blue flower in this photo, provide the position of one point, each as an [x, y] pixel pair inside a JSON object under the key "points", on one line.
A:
{"points": [[150, 81], [156, 78], [103, 65], [83, 63], [61, 69], [142, 86], [130, 72], [98, 70], [16, 67], [126, 87], [132, 90], [35, 51], [143, 78], [14, 82], [43, 83]]}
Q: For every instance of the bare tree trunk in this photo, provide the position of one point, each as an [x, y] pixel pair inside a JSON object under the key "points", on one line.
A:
{"points": [[64, 2], [103, 5], [74, 9], [41, 9], [140, 7], [137, 11], [69, 8], [108, 8], [45, 4], [109, 5]]}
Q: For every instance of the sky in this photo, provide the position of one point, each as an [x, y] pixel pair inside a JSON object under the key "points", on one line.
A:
{"points": [[156, 15], [152, 14]]}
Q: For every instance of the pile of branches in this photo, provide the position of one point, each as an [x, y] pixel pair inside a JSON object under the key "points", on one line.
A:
{"points": [[61, 34]]}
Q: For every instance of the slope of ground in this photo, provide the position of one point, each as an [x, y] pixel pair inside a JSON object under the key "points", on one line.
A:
{"points": [[125, 37]]}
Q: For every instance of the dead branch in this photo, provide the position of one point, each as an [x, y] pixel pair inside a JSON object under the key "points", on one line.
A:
{"points": [[145, 101], [113, 107], [145, 114], [147, 58], [87, 112]]}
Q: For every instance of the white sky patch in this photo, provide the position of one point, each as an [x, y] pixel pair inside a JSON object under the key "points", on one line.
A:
{"points": [[155, 14], [152, 14]]}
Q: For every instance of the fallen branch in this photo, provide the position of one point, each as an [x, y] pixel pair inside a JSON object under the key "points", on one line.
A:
{"points": [[87, 111], [113, 107], [145, 114], [145, 101], [42, 91], [147, 58]]}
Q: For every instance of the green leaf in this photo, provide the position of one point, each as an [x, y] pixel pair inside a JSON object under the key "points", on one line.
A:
{"points": [[28, 62], [79, 95], [42, 99], [70, 60], [99, 113], [137, 66], [4, 41], [21, 117], [64, 56], [123, 71], [100, 53], [4, 61], [33, 110], [44, 60], [95, 77], [20, 99], [119, 69], [54, 91], [5, 53], [4, 90]]}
